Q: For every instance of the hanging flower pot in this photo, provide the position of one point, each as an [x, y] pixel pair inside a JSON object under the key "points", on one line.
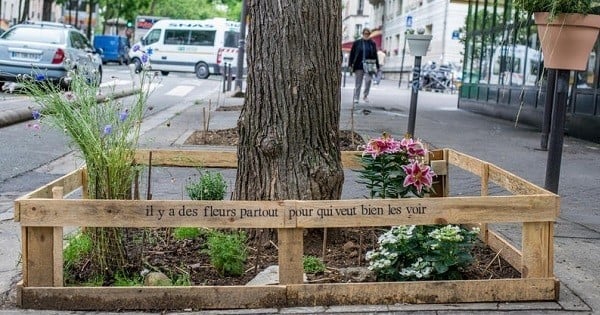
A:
{"points": [[567, 39]]}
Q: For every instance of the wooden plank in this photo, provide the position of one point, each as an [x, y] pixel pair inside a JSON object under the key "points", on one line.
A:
{"points": [[277, 214], [439, 163], [505, 249], [188, 158], [351, 159], [216, 158], [291, 251], [485, 178], [514, 183], [538, 253], [69, 182], [153, 298], [57, 245], [465, 161], [220, 297], [358, 212], [419, 292], [40, 258]]}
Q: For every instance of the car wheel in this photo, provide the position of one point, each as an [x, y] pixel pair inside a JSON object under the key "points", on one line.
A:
{"points": [[165, 73], [202, 71]]}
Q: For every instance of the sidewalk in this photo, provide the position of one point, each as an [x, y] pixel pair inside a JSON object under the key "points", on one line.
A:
{"points": [[440, 123]]}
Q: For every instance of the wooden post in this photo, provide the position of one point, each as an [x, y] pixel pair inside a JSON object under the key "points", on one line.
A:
{"points": [[485, 178], [291, 250], [440, 185], [538, 250], [42, 253]]}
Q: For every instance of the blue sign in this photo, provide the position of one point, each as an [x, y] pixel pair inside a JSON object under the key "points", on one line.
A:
{"points": [[409, 20], [455, 34]]}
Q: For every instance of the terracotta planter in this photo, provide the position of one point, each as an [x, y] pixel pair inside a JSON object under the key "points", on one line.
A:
{"points": [[568, 39]]}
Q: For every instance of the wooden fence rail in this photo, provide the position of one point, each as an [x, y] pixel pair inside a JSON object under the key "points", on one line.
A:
{"points": [[43, 213]]}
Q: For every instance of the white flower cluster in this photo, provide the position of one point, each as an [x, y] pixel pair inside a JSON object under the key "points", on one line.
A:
{"points": [[420, 269], [396, 234], [449, 233], [381, 259]]}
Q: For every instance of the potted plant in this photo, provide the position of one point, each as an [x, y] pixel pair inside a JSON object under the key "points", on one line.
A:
{"points": [[567, 30]]}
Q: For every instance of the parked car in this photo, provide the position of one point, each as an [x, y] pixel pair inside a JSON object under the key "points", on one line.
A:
{"points": [[114, 48], [48, 50]]}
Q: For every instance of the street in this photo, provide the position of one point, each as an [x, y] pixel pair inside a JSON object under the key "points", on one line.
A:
{"points": [[26, 154]]}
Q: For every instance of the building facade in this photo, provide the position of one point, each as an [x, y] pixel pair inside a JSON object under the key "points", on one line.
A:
{"points": [[444, 19], [504, 74]]}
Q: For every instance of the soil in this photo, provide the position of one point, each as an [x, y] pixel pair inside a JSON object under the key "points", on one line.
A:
{"points": [[344, 247], [225, 137]]}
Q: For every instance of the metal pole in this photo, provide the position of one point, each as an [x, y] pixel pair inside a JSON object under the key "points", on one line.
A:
{"points": [[557, 127], [412, 114], [402, 63], [239, 77], [225, 77], [229, 77], [551, 82]]}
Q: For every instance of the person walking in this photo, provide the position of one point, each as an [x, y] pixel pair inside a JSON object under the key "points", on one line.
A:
{"points": [[363, 55], [381, 61]]}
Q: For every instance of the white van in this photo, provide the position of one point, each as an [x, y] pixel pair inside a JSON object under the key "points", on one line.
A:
{"points": [[187, 45]]}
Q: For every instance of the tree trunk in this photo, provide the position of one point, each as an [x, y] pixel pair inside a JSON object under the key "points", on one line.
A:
{"points": [[289, 124], [47, 10]]}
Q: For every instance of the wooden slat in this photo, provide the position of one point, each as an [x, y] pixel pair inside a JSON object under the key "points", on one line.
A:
{"points": [[465, 161], [424, 292], [537, 250], [188, 158], [69, 182], [40, 258], [153, 298], [291, 251], [506, 250], [57, 245], [277, 214], [514, 183], [219, 297], [439, 164]]}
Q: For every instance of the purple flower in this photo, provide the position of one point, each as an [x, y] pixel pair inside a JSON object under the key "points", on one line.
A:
{"points": [[36, 114], [135, 47], [40, 77], [107, 130], [144, 58], [123, 115]]}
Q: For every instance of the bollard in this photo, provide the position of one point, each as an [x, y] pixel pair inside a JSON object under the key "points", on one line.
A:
{"points": [[224, 74], [412, 113], [229, 78]]}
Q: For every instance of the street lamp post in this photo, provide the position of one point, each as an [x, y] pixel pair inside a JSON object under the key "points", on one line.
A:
{"points": [[239, 77], [402, 62], [418, 44]]}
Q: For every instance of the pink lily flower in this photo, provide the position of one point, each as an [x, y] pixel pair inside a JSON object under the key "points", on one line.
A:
{"points": [[418, 175]]}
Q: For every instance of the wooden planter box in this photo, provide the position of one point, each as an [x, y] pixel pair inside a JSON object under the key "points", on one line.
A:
{"points": [[43, 214]]}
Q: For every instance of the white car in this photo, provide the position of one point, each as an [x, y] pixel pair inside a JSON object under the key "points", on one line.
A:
{"points": [[48, 51]]}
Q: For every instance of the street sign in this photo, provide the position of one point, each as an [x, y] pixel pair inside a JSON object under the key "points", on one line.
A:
{"points": [[409, 21], [455, 35]]}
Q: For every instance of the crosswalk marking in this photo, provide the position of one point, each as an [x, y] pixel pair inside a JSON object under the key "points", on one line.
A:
{"points": [[180, 90]]}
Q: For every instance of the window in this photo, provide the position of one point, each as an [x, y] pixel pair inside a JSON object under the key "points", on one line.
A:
{"points": [[357, 31], [152, 37], [202, 38], [232, 39], [361, 7]]}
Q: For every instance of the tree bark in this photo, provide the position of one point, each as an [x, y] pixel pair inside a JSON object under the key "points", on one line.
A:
{"points": [[289, 124]]}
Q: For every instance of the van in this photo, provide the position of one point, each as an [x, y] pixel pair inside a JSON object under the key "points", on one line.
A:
{"points": [[114, 48], [187, 45]]}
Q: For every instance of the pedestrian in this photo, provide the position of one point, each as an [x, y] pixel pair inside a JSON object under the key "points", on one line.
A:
{"points": [[381, 61], [363, 55]]}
